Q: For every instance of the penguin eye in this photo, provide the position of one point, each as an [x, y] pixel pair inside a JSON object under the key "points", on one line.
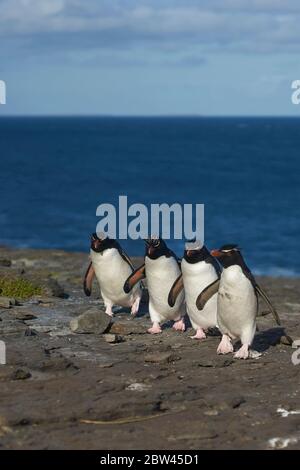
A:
{"points": [[156, 243]]}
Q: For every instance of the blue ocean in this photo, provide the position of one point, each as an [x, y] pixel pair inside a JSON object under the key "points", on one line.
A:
{"points": [[56, 171]]}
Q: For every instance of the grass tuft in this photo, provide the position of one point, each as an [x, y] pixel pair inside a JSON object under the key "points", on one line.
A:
{"points": [[18, 287]]}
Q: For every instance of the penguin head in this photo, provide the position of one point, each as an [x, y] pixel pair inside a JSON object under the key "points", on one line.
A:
{"points": [[195, 252], [155, 247], [228, 255], [100, 242]]}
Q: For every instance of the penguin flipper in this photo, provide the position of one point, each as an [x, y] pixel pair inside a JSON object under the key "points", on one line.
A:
{"points": [[126, 258], [134, 278], [207, 293], [175, 290], [264, 296], [88, 280]]}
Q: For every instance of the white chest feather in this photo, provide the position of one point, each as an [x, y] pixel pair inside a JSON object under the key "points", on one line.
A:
{"points": [[161, 274], [112, 271], [196, 277], [237, 303]]}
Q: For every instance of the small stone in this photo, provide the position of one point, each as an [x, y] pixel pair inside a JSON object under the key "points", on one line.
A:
{"points": [[30, 332], [254, 354], [21, 314], [7, 302], [52, 288], [21, 374], [12, 328], [92, 321], [60, 332], [138, 387], [218, 361], [44, 301], [5, 262], [206, 363], [24, 422], [128, 328], [211, 413], [110, 338], [105, 365], [162, 357], [236, 402], [224, 361], [41, 328], [286, 340]]}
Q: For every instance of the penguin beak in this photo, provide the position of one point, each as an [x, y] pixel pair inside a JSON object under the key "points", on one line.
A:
{"points": [[189, 253], [95, 242], [216, 253], [150, 248]]}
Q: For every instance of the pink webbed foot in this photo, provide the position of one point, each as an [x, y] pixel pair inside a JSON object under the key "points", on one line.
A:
{"points": [[155, 328], [135, 306], [199, 334], [243, 352], [179, 325], [225, 346]]}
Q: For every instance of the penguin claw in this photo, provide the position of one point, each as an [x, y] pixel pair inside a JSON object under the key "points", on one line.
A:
{"points": [[225, 347], [155, 329], [243, 352], [179, 325], [199, 334], [109, 312], [135, 307]]}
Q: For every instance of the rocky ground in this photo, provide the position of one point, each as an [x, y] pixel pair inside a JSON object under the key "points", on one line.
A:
{"points": [[126, 389]]}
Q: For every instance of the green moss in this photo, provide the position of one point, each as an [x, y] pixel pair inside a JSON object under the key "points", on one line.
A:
{"points": [[18, 287]]}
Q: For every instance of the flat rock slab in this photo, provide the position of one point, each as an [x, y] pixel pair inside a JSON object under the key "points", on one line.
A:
{"points": [[22, 314]]}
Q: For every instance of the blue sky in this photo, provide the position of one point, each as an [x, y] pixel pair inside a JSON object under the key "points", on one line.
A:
{"points": [[149, 57]]}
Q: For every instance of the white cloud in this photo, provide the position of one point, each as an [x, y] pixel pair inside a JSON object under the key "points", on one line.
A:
{"points": [[231, 25]]}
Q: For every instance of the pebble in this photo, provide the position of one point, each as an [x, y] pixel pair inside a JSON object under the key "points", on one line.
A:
{"points": [[236, 402], [21, 314], [211, 413], [138, 387], [7, 302], [21, 374], [162, 357], [217, 361], [5, 262], [110, 338]]}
